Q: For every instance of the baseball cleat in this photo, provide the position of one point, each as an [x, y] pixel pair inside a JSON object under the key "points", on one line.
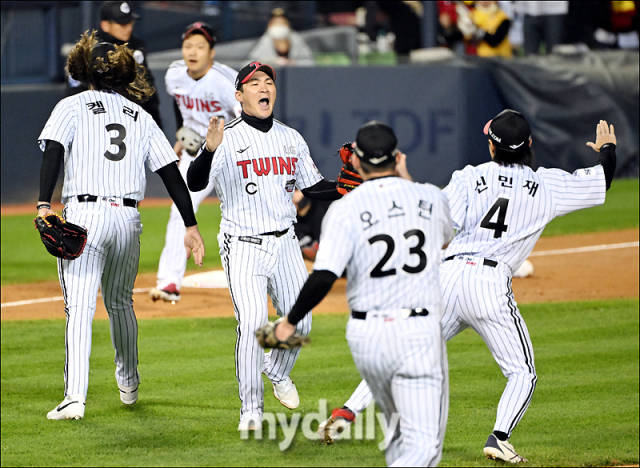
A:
{"points": [[502, 450], [169, 293], [331, 429], [287, 393], [128, 395], [250, 422], [72, 407]]}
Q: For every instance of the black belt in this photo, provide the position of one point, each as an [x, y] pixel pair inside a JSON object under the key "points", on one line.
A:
{"points": [[485, 261], [93, 198], [275, 233], [420, 312]]}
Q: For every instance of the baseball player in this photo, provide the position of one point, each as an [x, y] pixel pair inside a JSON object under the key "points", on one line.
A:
{"points": [[105, 141], [389, 235], [500, 209], [117, 21], [256, 167], [201, 89]]}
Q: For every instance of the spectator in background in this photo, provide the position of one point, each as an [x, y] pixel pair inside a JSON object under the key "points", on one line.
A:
{"points": [[116, 26], [543, 24], [488, 27], [280, 44], [617, 25], [449, 34], [309, 222]]}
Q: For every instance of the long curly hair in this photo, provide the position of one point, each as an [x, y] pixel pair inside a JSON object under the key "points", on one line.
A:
{"points": [[105, 66]]}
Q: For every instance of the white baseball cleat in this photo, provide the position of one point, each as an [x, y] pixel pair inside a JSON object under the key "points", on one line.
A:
{"points": [[128, 395], [502, 450], [169, 293], [331, 429], [287, 393], [72, 407], [250, 422]]}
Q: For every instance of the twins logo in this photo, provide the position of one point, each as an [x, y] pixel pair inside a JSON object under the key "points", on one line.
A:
{"points": [[264, 166], [199, 104]]}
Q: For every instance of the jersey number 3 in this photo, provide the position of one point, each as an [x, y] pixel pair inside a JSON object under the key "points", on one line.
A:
{"points": [[378, 272], [498, 227], [118, 141]]}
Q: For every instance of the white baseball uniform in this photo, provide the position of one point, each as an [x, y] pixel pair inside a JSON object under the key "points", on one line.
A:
{"points": [[108, 140], [500, 212], [198, 101], [256, 174], [389, 235]]}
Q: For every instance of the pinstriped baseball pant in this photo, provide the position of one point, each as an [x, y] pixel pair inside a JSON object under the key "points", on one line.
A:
{"points": [[404, 361], [273, 268], [109, 262], [480, 297]]}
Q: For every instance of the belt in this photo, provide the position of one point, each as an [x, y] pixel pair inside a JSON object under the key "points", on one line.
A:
{"points": [[404, 313], [485, 261], [275, 233], [93, 198]]}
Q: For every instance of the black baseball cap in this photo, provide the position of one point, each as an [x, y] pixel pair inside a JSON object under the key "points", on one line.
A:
{"points": [[376, 143], [248, 71], [101, 50], [509, 130], [120, 12], [201, 28]]}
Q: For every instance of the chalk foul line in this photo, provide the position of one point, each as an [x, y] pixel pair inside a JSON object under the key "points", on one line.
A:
{"points": [[543, 253]]}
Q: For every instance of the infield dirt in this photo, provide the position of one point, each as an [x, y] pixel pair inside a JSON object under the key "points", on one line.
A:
{"points": [[602, 274]]}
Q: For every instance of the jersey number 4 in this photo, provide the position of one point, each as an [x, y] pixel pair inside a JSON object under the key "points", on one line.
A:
{"points": [[378, 271], [498, 227], [118, 141]]}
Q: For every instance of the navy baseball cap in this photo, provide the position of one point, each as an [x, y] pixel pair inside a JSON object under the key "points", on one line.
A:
{"points": [[201, 28], [120, 12], [376, 143], [249, 70], [509, 130]]}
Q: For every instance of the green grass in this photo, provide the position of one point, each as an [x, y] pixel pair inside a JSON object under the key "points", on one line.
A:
{"points": [[584, 411], [25, 260]]}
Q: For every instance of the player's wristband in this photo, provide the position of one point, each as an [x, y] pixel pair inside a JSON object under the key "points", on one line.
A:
{"points": [[43, 205]]}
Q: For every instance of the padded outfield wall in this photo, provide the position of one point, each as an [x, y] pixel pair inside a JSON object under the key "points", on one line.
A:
{"points": [[437, 111]]}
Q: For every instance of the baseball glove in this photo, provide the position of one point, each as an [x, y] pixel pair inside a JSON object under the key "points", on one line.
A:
{"points": [[266, 336], [190, 140], [61, 238], [348, 178]]}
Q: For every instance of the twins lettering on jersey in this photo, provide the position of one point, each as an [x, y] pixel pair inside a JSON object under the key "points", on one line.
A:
{"points": [[200, 104], [264, 166]]}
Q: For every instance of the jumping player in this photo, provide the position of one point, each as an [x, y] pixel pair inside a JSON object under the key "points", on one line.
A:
{"points": [[389, 235], [256, 167], [201, 89], [105, 140], [500, 209]]}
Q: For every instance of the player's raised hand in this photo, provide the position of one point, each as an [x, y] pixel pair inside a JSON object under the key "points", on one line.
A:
{"points": [[193, 243], [214, 132], [401, 166], [604, 134]]}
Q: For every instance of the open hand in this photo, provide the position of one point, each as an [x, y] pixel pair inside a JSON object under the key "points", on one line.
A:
{"points": [[604, 134], [214, 132]]}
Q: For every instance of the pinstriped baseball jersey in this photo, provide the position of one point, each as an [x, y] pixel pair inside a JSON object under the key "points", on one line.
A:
{"points": [[501, 211], [256, 173], [388, 234], [199, 100], [108, 140]]}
